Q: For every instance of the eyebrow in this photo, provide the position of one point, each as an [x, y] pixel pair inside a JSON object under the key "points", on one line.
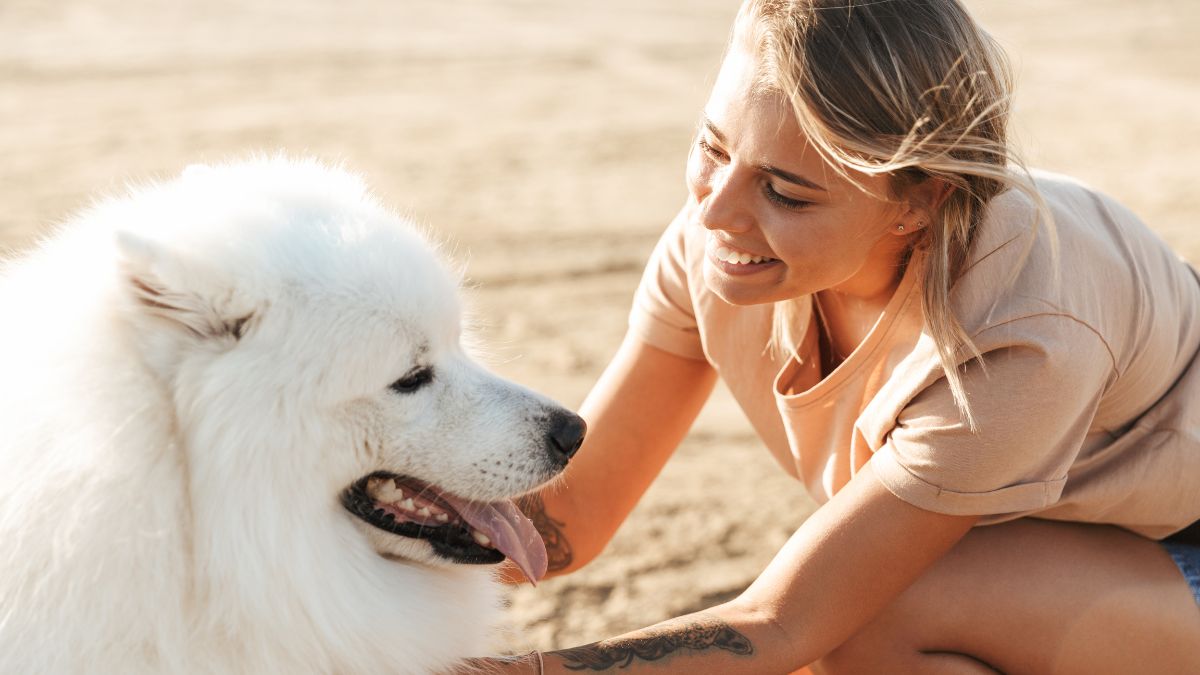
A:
{"points": [[766, 168]]}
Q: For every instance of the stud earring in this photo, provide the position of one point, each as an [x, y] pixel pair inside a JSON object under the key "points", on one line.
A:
{"points": [[899, 228]]}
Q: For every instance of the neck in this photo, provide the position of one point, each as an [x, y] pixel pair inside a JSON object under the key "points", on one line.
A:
{"points": [[850, 309], [876, 281]]}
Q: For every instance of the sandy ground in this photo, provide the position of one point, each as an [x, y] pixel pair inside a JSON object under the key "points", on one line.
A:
{"points": [[546, 139]]}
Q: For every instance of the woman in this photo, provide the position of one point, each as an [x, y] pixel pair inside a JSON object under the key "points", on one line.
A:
{"points": [[986, 376]]}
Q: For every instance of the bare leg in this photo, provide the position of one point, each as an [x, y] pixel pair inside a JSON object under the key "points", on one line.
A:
{"points": [[1036, 597]]}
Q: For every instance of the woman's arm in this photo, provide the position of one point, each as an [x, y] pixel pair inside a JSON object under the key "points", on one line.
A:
{"points": [[840, 569], [637, 414]]}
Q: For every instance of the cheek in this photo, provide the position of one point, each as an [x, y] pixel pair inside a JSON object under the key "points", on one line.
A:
{"points": [[822, 250], [805, 238]]}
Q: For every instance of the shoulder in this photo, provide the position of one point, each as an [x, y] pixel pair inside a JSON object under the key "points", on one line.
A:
{"points": [[1065, 249], [1021, 231], [681, 247]]}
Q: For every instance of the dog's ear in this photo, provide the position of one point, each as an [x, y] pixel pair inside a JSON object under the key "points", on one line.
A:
{"points": [[155, 279]]}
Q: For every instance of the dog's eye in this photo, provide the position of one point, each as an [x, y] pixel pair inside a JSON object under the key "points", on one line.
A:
{"points": [[413, 381]]}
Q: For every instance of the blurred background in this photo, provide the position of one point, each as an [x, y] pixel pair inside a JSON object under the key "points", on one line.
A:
{"points": [[546, 139]]}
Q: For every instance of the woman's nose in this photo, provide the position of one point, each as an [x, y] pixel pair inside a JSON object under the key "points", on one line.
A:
{"points": [[722, 203]]}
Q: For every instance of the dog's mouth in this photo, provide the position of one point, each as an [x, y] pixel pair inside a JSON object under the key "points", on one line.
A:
{"points": [[460, 530]]}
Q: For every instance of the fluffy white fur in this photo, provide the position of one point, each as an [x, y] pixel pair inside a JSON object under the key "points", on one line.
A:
{"points": [[190, 375]]}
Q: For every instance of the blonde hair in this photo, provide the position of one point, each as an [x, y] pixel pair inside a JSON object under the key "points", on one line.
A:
{"points": [[912, 89]]}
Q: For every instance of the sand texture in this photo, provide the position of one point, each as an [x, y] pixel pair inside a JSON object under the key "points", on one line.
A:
{"points": [[546, 140]]}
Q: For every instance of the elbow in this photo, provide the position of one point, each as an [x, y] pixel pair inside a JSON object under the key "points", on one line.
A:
{"points": [[764, 615], [563, 532], [776, 639], [565, 556]]}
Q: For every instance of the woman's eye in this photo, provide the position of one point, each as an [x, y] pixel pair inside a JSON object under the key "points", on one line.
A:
{"points": [[785, 202], [413, 381], [709, 150]]}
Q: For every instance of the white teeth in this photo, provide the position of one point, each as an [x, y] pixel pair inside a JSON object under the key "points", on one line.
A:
{"points": [[408, 505], [441, 518], [480, 538], [732, 257], [424, 512], [387, 492]]}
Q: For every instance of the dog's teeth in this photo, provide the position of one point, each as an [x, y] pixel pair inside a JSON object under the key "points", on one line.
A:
{"points": [[424, 512], [387, 492], [480, 538], [408, 505], [442, 518]]}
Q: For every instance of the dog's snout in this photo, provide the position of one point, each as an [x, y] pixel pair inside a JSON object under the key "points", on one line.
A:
{"points": [[565, 434]]}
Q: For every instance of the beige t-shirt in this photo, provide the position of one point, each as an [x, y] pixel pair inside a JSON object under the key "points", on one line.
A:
{"points": [[1087, 401]]}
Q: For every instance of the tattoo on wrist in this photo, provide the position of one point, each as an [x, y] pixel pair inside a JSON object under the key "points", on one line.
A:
{"points": [[705, 632], [558, 549]]}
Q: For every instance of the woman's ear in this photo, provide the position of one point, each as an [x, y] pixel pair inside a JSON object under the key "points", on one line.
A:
{"points": [[921, 202]]}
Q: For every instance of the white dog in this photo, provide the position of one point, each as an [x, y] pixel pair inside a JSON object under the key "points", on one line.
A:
{"points": [[239, 434]]}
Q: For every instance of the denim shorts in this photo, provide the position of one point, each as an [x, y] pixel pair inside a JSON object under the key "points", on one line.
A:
{"points": [[1184, 548]]}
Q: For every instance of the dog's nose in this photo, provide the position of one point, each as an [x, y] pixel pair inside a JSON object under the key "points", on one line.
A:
{"points": [[565, 434]]}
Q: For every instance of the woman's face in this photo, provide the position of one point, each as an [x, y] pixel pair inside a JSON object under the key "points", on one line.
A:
{"points": [[766, 197]]}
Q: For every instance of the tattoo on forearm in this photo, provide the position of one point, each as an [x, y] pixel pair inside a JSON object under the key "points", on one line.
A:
{"points": [[660, 642], [557, 548]]}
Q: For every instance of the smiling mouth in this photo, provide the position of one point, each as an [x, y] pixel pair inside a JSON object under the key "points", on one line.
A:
{"points": [[460, 530], [732, 257], [730, 262]]}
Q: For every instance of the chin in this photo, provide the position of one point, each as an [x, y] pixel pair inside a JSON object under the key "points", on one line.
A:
{"points": [[741, 292]]}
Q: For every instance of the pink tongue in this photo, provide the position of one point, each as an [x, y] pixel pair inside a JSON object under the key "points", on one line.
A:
{"points": [[510, 531]]}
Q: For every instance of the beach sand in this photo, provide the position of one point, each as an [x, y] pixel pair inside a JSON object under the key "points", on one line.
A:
{"points": [[545, 141]]}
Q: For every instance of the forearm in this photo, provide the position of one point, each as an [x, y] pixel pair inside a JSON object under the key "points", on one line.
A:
{"points": [[637, 413], [848, 561], [726, 639]]}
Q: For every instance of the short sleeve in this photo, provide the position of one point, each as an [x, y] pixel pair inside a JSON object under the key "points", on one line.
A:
{"points": [[663, 314], [1034, 396]]}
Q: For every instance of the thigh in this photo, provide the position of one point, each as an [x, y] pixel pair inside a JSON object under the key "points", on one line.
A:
{"points": [[1041, 597]]}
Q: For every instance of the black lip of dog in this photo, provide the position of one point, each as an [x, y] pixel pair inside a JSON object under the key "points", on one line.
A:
{"points": [[453, 542]]}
